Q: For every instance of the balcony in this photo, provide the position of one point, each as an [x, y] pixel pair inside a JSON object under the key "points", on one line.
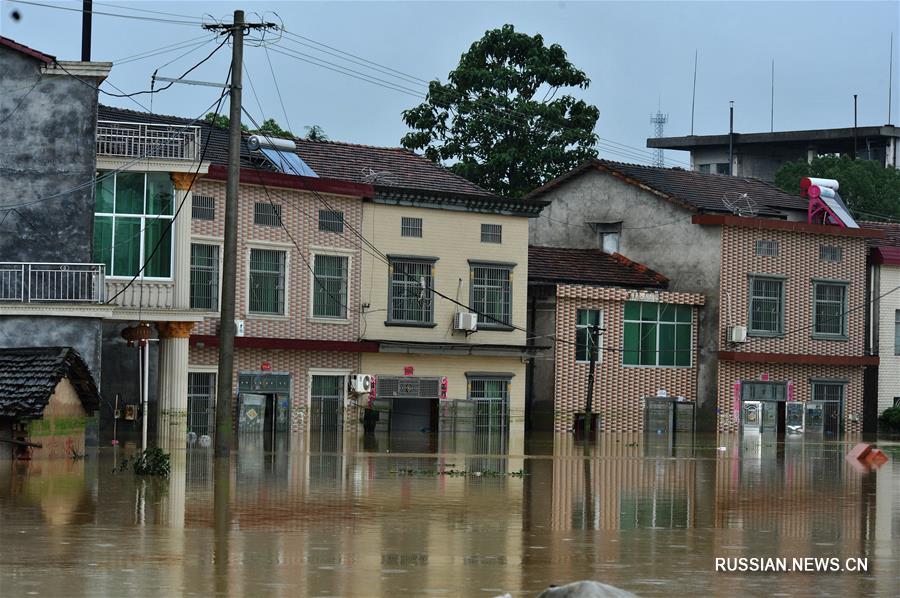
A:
{"points": [[29, 282], [138, 140]]}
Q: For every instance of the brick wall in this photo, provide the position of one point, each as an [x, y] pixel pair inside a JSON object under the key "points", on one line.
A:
{"points": [[618, 389], [299, 212], [297, 363]]}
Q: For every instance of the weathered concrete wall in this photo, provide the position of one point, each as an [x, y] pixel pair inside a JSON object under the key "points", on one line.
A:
{"points": [[542, 324], [46, 146], [656, 233], [82, 334], [120, 377]]}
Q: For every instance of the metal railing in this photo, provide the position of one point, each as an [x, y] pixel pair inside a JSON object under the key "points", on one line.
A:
{"points": [[29, 282], [138, 140]]}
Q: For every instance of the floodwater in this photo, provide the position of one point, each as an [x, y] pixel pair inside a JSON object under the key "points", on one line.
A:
{"points": [[348, 516]]}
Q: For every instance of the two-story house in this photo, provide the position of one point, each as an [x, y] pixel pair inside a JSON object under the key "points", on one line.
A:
{"points": [[746, 246]]}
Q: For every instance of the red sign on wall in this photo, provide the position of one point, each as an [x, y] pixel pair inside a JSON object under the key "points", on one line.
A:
{"points": [[266, 366], [408, 370]]}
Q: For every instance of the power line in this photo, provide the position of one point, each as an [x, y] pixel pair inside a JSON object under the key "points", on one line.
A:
{"points": [[161, 50], [108, 14]]}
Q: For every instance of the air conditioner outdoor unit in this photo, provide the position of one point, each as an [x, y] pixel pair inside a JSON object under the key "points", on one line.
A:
{"points": [[737, 334], [465, 321], [360, 383]]}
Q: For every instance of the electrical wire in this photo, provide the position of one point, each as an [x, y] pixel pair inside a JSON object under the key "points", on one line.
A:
{"points": [[161, 50], [108, 14]]}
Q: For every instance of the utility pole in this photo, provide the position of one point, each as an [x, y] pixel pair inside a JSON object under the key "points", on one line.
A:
{"points": [[588, 414], [659, 122], [854, 127], [224, 431]]}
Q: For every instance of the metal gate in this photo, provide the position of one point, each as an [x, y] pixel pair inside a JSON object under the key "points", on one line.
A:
{"points": [[201, 399], [491, 414], [326, 402]]}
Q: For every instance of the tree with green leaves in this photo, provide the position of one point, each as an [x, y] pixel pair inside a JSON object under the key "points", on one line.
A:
{"points": [[316, 133], [498, 121], [870, 190]]}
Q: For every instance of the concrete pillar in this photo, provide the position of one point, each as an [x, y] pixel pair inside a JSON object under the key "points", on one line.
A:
{"points": [[173, 383], [182, 231]]}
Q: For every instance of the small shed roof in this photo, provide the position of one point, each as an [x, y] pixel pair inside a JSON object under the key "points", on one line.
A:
{"points": [[589, 267], [28, 378]]}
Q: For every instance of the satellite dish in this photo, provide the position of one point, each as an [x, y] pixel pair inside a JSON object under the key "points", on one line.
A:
{"points": [[740, 204], [371, 176]]}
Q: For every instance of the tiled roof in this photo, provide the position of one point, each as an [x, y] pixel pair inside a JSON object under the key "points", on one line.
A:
{"points": [[695, 190], [29, 376], [590, 267], [891, 233], [14, 45], [383, 167]]}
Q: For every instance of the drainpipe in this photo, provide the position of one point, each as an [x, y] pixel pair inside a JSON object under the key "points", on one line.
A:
{"points": [[86, 14], [731, 138], [854, 126]]}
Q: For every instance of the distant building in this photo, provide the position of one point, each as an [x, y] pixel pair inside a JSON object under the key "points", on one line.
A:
{"points": [[647, 349], [760, 155], [746, 247]]}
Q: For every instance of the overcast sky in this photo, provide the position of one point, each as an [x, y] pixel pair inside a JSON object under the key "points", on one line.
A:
{"points": [[638, 55]]}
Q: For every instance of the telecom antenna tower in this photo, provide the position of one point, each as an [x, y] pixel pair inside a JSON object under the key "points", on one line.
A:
{"points": [[659, 122]]}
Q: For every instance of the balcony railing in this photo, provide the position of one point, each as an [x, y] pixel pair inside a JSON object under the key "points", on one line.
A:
{"points": [[27, 282], [137, 140]]}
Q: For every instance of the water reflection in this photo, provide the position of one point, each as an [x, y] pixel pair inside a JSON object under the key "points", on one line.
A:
{"points": [[334, 515]]}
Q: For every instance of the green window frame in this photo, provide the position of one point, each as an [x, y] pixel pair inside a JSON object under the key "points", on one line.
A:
{"points": [[410, 291], [766, 306], [330, 286], [585, 320], [204, 292], [657, 334], [491, 397], [829, 309], [133, 213], [491, 295], [267, 281], [828, 391]]}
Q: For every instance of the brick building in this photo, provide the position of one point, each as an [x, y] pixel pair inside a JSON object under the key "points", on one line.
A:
{"points": [[745, 246], [647, 348]]}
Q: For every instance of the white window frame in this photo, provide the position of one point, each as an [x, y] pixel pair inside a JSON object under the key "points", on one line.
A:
{"points": [[287, 279], [173, 230], [201, 240]]}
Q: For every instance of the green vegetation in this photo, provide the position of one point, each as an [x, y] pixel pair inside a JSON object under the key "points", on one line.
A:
{"points": [[269, 127], [151, 462], [890, 419], [498, 121], [871, 191]]}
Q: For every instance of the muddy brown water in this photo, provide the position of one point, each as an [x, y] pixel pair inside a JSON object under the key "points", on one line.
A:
{"points": [[349, 516]]}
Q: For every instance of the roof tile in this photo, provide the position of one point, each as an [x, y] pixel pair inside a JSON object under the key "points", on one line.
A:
{"points": [[590, 267]]}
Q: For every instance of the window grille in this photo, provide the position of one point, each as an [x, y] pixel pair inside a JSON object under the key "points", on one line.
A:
{"points": [[132, 223], [657, 334], [330, 287], [201, 402], [266, 214], [204, 276], [331, 221], [586, 320], [326, 402], [491, 233], [267, 281], [831, 253], [766, 305], [766, 248], [491, 396], [830, 309], [410, 227], [410, 292], [203, 207], [492, 295], [828, 391]]}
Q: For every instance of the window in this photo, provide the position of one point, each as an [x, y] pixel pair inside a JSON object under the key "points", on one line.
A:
{"points": [[828, 391], [492, 295], [830, 253], [830, 313], [586, 320], [331, 221], [897, 332], [326, 402], [704, 168], [203, 207], [752, 390], [132, 223], [266, 214], [722, 168], [766, 305], [330, 287], [491, 396], [491, 233], [201, 403], [410, 296], [410, 227], [267, 281], [896, 401], [204, 276], [608, 233], [765, 248], [658, 334]]}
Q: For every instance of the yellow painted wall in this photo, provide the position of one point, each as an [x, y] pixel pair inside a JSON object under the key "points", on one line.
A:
{"points": [[455, 368], [454, 237]]}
